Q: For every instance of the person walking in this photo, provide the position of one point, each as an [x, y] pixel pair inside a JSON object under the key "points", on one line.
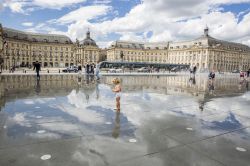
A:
{"points": [[194, 70], [211, 75], [92, 69], [37, 66], [87, 68]]}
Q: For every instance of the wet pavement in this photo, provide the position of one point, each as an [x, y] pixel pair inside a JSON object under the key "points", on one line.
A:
{"points": [[164, 121]]}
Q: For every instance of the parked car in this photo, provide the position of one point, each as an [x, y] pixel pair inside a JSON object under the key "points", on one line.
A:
{"points": [[71, 69], [175, 69], [112, 71], [144, 70], [116, 70], [236, 71]]}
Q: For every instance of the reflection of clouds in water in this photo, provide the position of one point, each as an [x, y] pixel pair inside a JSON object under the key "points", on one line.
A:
{"points": [[44, 135], [37, 101], [231, 106], [20, 119], [28, 102], [77, 107], [134, 105], [246, 96]]}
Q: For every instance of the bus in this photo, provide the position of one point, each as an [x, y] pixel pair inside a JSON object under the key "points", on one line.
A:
{"points": [[136, 65]]}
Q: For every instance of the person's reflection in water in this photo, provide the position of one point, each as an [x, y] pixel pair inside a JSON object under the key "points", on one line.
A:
{"points": [[79, 82], [79, 79], [192, 81], [201, 105], [38, 87], [92, 78], [87, 79], [97, 90], [87, 98], [116, 129], [211, 87]]}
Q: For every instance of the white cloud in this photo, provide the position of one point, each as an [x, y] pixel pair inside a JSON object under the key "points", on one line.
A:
{"points": [[26, 6], [166, 19], [162, 17], [101, 1], [56, 4], [41, 28], [27, 24], [84, 14], [16, 7]]}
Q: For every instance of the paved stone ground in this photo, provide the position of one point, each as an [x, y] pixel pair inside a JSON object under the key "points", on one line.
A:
{"points": [[164, 121]]}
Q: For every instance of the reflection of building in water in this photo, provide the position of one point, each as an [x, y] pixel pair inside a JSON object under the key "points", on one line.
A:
{"points": [[180, 84], [49, 85]]}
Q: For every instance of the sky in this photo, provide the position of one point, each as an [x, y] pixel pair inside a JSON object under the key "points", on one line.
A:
{"points": [[133, 20]]}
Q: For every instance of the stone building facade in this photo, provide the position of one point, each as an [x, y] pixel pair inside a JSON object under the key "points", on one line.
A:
{"points": [[205, 52], [1, 48], [24, 48], [138, 52], [87, 51]]}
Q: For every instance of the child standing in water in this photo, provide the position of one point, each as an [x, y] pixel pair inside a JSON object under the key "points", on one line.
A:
{"points": [[117, 90]]}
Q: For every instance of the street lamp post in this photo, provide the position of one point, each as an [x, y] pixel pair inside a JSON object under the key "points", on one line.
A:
{"points": [[1, 57], [121, 55], [13, 62]]}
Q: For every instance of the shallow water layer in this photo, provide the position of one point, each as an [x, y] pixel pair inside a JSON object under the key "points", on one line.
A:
{"points": [[164, 120]]}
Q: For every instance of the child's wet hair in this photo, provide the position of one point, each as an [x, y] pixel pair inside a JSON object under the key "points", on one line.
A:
{"points": [[116, 81]]}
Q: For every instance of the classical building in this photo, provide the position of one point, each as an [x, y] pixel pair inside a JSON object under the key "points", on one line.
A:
{"points": [[1, 48], [208, 53], [87, 51], [205, 52], [24, 48], [138, 52]]}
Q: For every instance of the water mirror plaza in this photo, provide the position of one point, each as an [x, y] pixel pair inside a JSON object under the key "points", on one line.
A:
{"points": [[164, 121]]}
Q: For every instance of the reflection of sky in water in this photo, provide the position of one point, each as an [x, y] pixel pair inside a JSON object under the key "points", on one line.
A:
{"points": [[83, 107]]}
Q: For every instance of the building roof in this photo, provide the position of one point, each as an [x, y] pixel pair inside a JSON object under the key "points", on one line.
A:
{"points": [[127, 44], [88, 41], [212, 42], [139, 45], [35, 37]]}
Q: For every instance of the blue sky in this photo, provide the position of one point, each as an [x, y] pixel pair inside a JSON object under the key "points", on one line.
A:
{"points": [[136, 20]]}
